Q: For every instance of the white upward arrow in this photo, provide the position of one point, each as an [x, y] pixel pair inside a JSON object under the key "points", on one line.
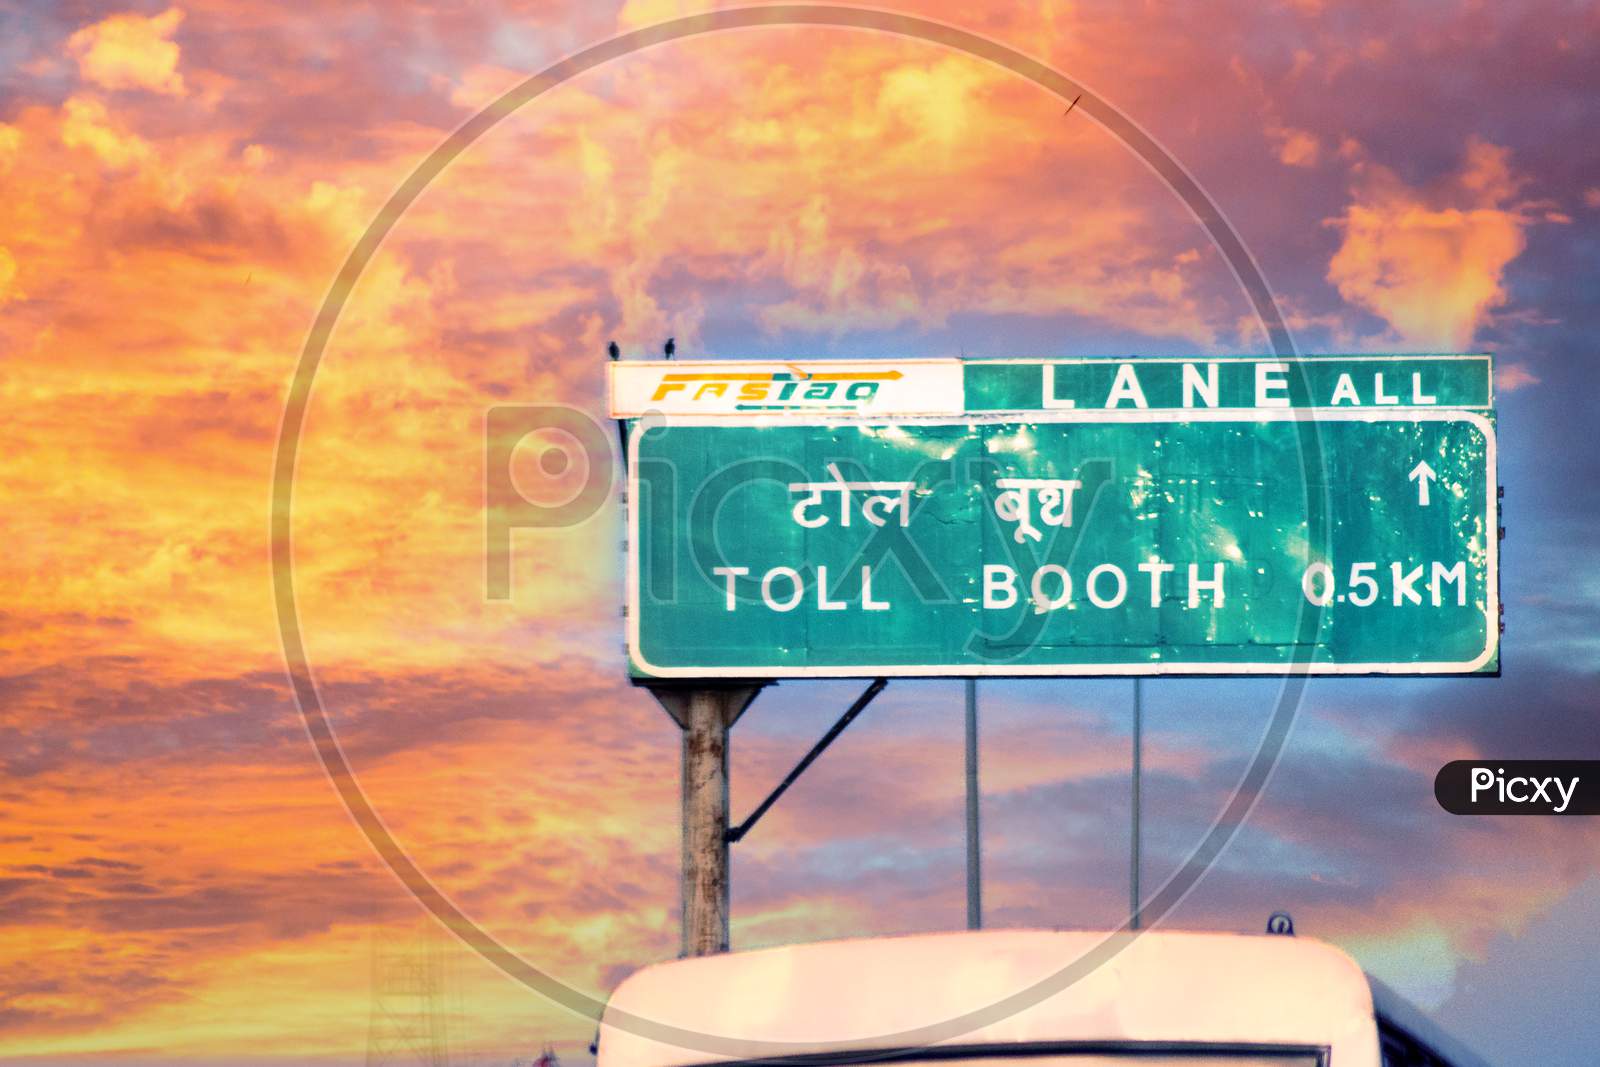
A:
{"points": [[1422, 474]]}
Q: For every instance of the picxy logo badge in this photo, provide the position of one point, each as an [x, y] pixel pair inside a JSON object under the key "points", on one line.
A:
{"points": [[1519, 787]]}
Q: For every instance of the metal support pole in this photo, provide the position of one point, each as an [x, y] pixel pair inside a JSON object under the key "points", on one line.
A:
{"points": [[974, 850], [1134, 917], [706, 714], [705, 826], [736, 834]]}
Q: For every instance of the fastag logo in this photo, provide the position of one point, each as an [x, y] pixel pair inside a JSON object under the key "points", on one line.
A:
{"points": [[779, 390]]}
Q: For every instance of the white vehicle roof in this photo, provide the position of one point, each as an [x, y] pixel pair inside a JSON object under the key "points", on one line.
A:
{"points": [[1421, 1029], [994, 987]]}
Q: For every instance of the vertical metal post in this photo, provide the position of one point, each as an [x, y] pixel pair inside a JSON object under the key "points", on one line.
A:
{"points": [[705, 714], [1134, 917], [705, 826], [974, 848]]}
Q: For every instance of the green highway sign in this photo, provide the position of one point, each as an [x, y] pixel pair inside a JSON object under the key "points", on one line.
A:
{"points": [[1336, 515]]}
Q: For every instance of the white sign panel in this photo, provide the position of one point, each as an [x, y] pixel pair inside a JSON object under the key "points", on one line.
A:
{"points": [[801, 387]]}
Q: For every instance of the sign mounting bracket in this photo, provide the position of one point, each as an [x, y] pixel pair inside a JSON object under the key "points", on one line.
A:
{"points": [[878, 685]]}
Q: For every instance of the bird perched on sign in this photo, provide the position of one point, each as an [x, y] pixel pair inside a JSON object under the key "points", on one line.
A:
{"points": [[670, 347], [613, 350]]}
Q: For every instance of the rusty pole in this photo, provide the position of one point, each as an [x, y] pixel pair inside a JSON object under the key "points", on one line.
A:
{"points": [[705, 714], [705, 826]]}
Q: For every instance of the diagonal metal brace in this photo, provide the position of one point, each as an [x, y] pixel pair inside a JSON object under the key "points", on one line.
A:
{"points": [[877, 686]]}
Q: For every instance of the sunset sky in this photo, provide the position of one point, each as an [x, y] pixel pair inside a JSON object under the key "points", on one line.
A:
{"points": [[179, 186]]}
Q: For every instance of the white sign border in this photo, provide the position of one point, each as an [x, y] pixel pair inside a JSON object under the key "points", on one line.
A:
{"points": [[951, 408], [654, 672], [1431, 357]]}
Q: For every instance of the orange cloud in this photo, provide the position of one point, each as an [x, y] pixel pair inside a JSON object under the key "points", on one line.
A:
{"points": [[1509, 377], [1296, 148], [87, 124], [131, 51], [1430, 262], [8, 274]]}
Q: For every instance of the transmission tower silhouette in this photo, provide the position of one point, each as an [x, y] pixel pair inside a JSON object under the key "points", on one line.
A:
{"points": [[411, 999]]}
